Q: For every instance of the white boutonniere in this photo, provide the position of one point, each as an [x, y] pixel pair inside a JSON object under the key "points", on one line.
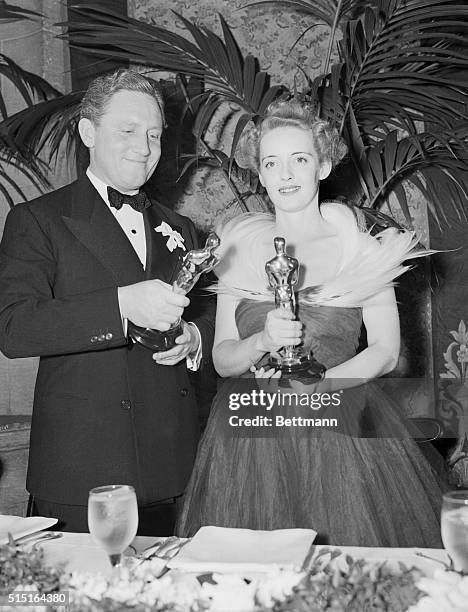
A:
{"points": [[175, 240]]}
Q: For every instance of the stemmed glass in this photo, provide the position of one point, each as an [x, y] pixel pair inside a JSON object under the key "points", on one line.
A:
{"points": [[113, 518], [454, 526]]}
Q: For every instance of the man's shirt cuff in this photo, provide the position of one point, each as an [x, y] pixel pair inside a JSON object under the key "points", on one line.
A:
{"points": [[194, 359]]}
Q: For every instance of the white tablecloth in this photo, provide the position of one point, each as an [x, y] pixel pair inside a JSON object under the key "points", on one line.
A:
{"points": [[77, 551]]}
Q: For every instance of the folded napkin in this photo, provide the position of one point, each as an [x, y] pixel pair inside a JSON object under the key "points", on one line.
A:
{"points": [[220, 549], [20, 527]]}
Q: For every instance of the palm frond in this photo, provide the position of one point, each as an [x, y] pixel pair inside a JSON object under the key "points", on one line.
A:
{"points": [[402, 67], [230, 171], [330, 12], [228, 76], [392, 160], [30, 86], [12, 12], [420, 74], [14, 164], [47, 124], [414, 74]]}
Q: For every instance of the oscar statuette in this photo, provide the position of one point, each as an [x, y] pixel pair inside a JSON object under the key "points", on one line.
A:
{"points": [[293, 361], [194, 263]]}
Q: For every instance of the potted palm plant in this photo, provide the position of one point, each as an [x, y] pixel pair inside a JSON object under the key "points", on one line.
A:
{"points": [[397, 92]]}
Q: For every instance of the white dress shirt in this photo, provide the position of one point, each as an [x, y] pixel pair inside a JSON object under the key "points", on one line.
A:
{"points": [[130, 220], [132, 223]]}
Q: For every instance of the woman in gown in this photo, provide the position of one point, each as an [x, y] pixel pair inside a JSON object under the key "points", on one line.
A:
{"points": [[365, 482]]}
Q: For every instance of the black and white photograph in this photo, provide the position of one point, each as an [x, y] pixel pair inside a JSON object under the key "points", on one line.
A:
{"points": [[234, 305]]}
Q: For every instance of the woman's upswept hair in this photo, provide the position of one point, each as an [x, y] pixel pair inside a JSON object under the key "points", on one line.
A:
{"points": [[329, 145], [101, 90]]}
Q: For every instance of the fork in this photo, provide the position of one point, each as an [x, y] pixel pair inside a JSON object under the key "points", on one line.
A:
{"points": [[165, 550], [35, 538], [50, 535]]}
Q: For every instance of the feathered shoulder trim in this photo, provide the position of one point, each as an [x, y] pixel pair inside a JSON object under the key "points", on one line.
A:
{"points": [[246, 245], [368, 265]]}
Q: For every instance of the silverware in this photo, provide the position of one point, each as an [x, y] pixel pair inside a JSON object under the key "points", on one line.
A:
{"points": [[165, 550], [39, 534], [157, 546], [31, 537], [50, 535], [37, 538]]}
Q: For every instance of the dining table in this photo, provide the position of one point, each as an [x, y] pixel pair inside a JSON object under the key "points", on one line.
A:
{"points": [[223, 558], [79, 552]]}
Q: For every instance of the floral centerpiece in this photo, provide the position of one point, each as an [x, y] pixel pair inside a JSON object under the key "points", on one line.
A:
{"points": [[351, 585], [446, 591]]}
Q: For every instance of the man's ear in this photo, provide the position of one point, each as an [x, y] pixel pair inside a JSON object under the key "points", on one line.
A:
{"points": [[260, 178], [325, 170], [87, 132]]}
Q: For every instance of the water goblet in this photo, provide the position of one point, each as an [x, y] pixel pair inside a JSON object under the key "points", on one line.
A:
{"points": [[113, 518], [454, 527]]}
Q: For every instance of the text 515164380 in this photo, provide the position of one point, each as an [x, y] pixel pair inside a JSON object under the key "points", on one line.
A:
{"points": [[33, 598]]}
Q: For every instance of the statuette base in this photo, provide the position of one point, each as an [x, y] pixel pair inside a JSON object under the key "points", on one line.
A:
{"points": [[153, 339], [303, 367]]}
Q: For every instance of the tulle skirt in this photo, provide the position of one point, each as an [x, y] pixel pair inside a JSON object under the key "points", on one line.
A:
{"points": [[364, 482]]}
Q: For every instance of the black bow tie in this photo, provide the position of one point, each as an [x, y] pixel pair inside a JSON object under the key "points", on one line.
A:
{"points": [[138, 202]]}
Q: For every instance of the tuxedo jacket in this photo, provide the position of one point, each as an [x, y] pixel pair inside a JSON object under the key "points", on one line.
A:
{"points": [[104, 412]]}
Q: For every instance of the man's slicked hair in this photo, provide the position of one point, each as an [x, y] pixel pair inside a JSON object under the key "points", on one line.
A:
{"points": [[101, 90]]}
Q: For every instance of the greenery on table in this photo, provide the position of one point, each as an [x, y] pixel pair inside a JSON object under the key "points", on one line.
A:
{"points": [[21, 568], [358, 589], [361, 587]]}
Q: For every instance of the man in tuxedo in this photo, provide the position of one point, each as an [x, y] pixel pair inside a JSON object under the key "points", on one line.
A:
{"points": [[75, 266]]}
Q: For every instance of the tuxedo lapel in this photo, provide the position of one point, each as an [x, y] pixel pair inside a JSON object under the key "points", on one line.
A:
{"points": [[96, 228], [160, 261]]}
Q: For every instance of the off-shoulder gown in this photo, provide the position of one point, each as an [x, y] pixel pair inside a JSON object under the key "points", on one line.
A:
{"points": [[364, 483]]}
